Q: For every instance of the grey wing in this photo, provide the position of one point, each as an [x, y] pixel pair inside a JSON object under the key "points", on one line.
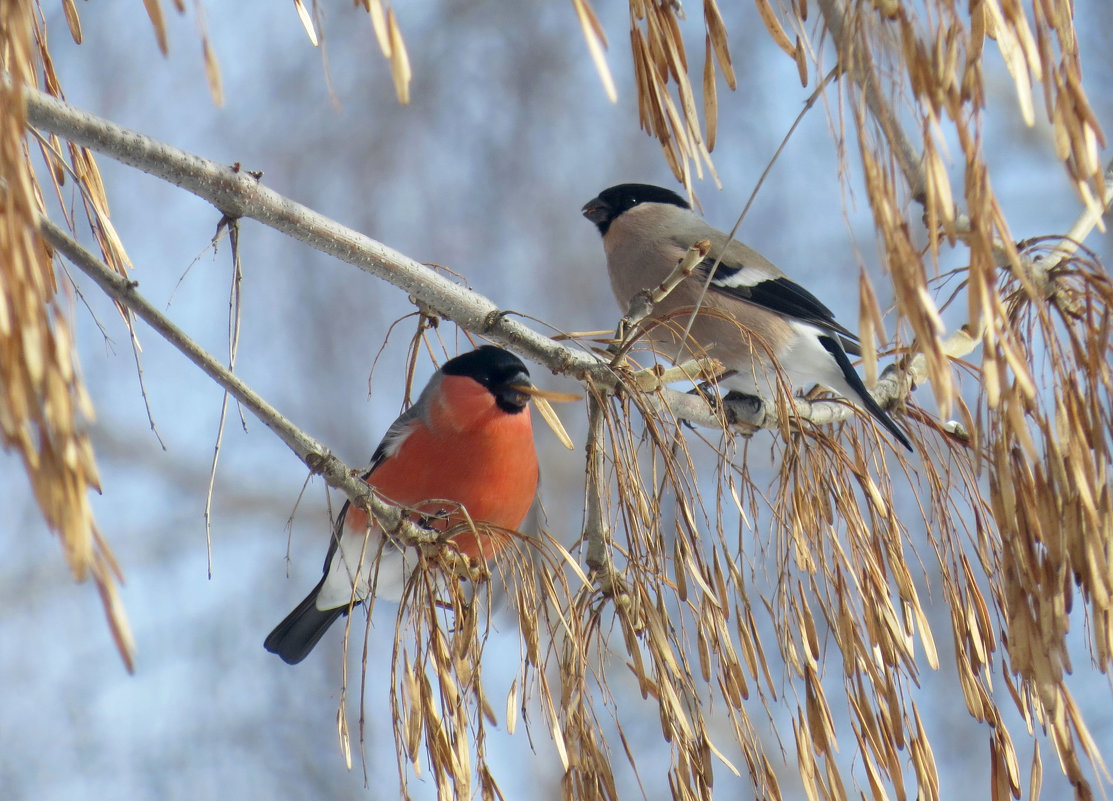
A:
{"points": [[744, 274], [392, 440]]}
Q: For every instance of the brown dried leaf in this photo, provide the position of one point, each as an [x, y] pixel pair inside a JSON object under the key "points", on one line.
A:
{"points": [[773, 25], [379, 25], [212, 72], [69, 8], [801, 58], [154, 11], [717, 30], [870, 325], [399, 60], [596, 44], [710, 100], [306, 21], [1035, 781]]}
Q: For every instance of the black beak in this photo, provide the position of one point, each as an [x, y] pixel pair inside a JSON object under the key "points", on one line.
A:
{"points": [[512, 395], [597, 211]]}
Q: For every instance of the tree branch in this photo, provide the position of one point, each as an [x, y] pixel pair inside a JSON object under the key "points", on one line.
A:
{"points": [[239, 193], [911, 164], [315, 456], [596, 532]]}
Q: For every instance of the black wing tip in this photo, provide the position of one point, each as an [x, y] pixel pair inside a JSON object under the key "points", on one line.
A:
{"points": [[286, 651], [782, 295], [833, 347], [895, 430], [302, 629]]}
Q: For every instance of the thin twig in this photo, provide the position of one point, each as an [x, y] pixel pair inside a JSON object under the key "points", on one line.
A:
{"points": [[596, 533], [136, 351], [239, 193], [1082, 227], [315, 456], [642, 304], [850, 59], [233, 347]]}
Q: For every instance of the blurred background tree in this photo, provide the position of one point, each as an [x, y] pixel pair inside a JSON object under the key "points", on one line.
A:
{"points": [[783, 613]]}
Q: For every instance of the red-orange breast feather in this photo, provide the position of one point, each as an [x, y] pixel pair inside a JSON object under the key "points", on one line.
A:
{"points": [[465, 450]]}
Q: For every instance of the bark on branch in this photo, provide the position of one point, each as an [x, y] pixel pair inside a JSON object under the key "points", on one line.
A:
{"points": [[237, 192], [315, 456]]}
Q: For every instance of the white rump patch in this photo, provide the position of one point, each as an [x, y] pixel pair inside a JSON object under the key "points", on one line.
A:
{"points": [[384, 577]]}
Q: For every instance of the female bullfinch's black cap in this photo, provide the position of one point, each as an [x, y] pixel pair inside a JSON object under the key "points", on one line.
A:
{"points": [[616, 200]]}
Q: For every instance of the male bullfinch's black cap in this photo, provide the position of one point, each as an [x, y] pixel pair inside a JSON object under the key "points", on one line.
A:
{"points": [[614, 201], [500, 371]]}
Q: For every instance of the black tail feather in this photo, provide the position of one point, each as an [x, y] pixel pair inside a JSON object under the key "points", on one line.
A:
{"points": [[864, 396], [294, 637]]}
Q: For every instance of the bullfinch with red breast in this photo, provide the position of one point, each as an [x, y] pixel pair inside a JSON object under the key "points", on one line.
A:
{"points": [[753, 318], [468, 441]]}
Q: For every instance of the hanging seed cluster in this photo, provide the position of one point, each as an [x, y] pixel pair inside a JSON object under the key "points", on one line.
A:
{"points": [[1041, 434], [389, 36], [814, 604], [660, 63], [1011, 564], [44, 408], [440, 707], [158, 23], [1051, 489]]}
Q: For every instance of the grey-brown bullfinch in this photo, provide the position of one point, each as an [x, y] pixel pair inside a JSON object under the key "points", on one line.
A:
{"points": [[753, 318]]}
